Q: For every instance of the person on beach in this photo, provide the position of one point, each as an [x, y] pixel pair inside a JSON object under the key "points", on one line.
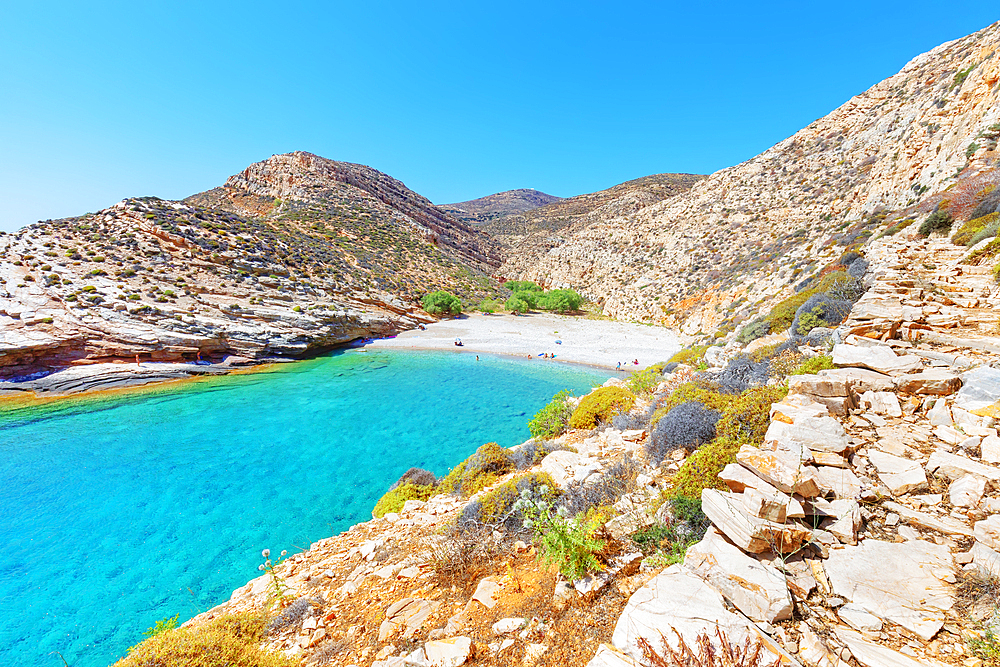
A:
{"points": [[137, 361], [619, 366]]}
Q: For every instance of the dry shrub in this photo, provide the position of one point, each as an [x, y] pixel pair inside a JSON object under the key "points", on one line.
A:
{"points": [[466, 557], [726, 654]]}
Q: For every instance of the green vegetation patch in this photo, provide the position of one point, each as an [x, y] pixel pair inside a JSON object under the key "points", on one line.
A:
{"points": [[479, 471], [227, 641], [692, 356], [600, 405], [813, 365], [744, 422], [644, 381], [394, 499], [783, 314], [552, 420], [441, 303], [938, 221], [970, 229]]}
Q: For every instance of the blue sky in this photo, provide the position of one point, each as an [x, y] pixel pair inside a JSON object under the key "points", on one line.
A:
{"points": [[103, 100]]}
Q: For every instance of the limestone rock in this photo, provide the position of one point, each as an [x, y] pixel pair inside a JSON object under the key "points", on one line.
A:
{"points": [[967, 491], [823, 434], [898, 582], [899, 474], [678, 600], [880, 358], [980, 389], [859, 619], [756, 589], [870, 654], [842, 482], [931, 382], [450, 652], [786, 473], [989, 449], [952, 466], [881, 403], [408, 615], [942, 524], [486, 592], [566, 467], [608, 656], [748, 532], [505, 626], [987, 531]]}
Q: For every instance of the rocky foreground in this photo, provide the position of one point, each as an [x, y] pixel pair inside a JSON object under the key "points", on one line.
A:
{"points": [[864, 531]]}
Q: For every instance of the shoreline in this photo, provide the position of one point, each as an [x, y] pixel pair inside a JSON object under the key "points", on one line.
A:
{"points": [[595, 343]]}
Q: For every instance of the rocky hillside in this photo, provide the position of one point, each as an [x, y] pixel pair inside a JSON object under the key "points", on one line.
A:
{"points": [[756, 228], [499, 206], [293, 255], [531, 231]]}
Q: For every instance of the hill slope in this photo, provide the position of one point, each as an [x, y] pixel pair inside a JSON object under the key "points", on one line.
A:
{"points": [[686, 260], [498, 206], [292, 255]]}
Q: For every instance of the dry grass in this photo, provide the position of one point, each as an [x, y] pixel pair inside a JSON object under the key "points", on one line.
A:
{"points": [[726, 654]]}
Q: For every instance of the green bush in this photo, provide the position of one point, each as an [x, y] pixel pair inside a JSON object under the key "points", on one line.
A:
{"points": [[967, 232], [560, 300], [568, 543], [394, 500], [744, 422], [489, 306], [499, 500], [530, 298], [600, 405], [522, 286], [517, 305], [938, 221], [692, 356], [441, 303], [813, 365], [644, 381], [690, 391], [477, 472], [783, 314], [984, 254], [227, 641], [551, 421]]}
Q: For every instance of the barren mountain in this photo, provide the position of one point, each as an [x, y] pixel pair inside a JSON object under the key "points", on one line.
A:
{"points": [[498, 206], [749, 231], [293, 255], [540, 223]]}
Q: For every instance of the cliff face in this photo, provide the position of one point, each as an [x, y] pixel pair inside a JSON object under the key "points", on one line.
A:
{"points": [[293, 255], [682, 260]]}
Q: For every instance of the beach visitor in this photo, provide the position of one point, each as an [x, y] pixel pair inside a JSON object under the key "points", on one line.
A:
{"points": [[137, 361], [619, 366]]}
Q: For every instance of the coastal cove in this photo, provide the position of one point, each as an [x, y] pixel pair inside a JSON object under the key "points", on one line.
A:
{"points": [[123, 509]]}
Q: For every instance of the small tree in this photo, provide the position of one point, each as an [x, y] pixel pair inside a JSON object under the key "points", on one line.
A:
{"points": [[522, 286], [560, 300], [515, 304], [441, 303]]}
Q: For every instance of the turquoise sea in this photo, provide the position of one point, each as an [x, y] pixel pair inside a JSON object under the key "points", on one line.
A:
{"points": [[121, 510]]}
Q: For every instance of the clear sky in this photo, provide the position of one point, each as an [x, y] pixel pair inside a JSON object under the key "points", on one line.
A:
{"points": [[104, 100]]}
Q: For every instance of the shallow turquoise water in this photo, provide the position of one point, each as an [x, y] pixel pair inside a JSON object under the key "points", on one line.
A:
{"points": [[117, 512]]}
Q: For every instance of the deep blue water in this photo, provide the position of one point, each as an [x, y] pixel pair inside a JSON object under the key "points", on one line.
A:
{"points": [[119, 511]]}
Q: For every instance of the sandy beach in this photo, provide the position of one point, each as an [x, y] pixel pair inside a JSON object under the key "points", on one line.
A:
{"points": [[594, 342]]}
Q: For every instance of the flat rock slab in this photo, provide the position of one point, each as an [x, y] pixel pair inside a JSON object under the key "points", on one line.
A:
{"points": [[873, 655], [952, 466], [566, 467], [880, 358], [930, 382], [898, 582], [899, 474], [780, 469], [679, 600], [756, 589], [821, 434], [608, 656], [942, 524], [842, 482], [980, 389], [407, 615]]}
